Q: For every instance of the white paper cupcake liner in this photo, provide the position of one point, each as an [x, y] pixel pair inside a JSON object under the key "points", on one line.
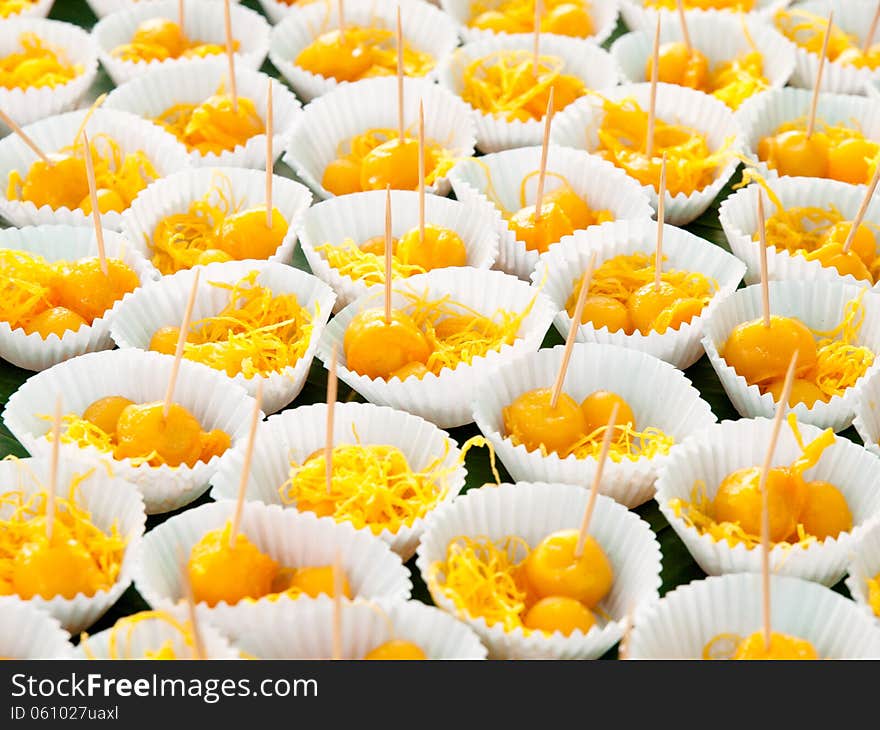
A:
{"points": [[739, 219], [163, 305], [820, 306], [424, 28], [202, 23], [763, 114], [661, 397], [109, 500], [867, 412], [444, 399], [352, 109], [637, 17], [294, 629], [864, 565], [66, 243], [195, 80], [103, 8], [292, 538], [361, 216], [532, 511], [33, 103], [578, 124], [148, 635], [38, 9], [29, 633], [52, 134], [497, 179], [582, 59], [141, 377], [710, 456], [681, 624], [719, 36], [298, 433], [602, 12], [175, 194], [567, 260]]}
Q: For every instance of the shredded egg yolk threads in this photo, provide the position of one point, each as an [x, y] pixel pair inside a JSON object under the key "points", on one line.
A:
{"points": [[504, 84], [120, 641], [36, 64], [690, 164], [62, 182], [377, 158], [359, 53], [807, 30], [562, 17], [622, 296], [255, 334], [8, 8], [80, 558], [160, 39], [874, 594]]}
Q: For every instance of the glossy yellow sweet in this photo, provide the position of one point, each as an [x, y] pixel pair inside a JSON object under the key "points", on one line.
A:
{"points": [[108, 200], [802, 391], [597, 408], [832, 255], [440, 248], [105, 412], [571, 19], [792, 153], [677, 65], [602, 311], [848, 161], [782, 646], [559, 613], [573, 205], [825, 512], [396, 649], [394, 163], [245, 235], [63, 568], [55, 321], [336, 55], [761, 354], [342, 177], [531, 421], [165, 339], [647, 302], [85, 289], [59, 183], [864, 243], [539, 235], [161, 32], [318, 580], [415, 370], [553, 570], [143, 429], [377, 349], [376, 245]]}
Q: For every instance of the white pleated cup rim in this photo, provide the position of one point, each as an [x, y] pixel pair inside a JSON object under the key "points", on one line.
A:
{"points": [[293, 539], [66, 243], [739, 219], [532, 511], [639, 18], [424, 28], [681, 624], [26, 632], [496, 179], [201, 23], [142, 377], [567, 260], [577, 126], [163, 304], [37, 9], [444, 399], [351, 109], [109, 500], [175, 193], [661, 397], [132, 134], [867, 412], [820, 306], [32, 103], [103, 8], [864, 564], [298, 433], [582, 59], [361, 216]]}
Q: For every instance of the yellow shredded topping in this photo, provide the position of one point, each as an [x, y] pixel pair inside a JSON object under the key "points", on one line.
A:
{"points": [[874, 593], [162, 40], [736, 80], [350, 260], [565, 17], [807, 30], [627, 443], [121, 637], [37, 64], [9, 8]]}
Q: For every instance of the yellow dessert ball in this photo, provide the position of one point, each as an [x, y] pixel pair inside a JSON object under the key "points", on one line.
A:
{"points": [[678, 313], [781, 646], [376, 348], [601, 311], [394, 163], [108, 200], [416, 370], [571, 19], [832, 256], [597, 408], [55, 321], [559, 613], [342, 177], [573, 205], [214, 443], [376, 245], [802, 391], [848, 161], [245, 235], [89, 292], [534, 423], [161, 32], [761, 354], [495, 21], [647, 302], [792, 153], [538, 235], [335, 55], [864, 243], [396, 649], [553, 570], [318, 580], [440, 248], [60, 183], [105, 412], [678, 65], [143, 429], [825, 512], [165, 339], [63, 568]]}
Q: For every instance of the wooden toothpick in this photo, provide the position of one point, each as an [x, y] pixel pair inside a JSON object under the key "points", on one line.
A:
{"points": [[24, 136], [181, 17], [332, 389], [545, 147], [652, 99], [246, 466], [340, 11], [686, 36], [230, 55], [572, 332], [181, 342], [537, 39], [661, 221], [863, 209], [422, 173], [597, 477], [814, 101], [270, 153], [96, 212], [872, 30], [762, 242], [765, 508], [400, 127], [388, 246], [53, 469]]}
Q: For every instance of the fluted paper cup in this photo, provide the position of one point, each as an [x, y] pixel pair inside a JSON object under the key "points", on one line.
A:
{"points": [[864, 565], [532, 511], [820, 306], [352, 109], [444, 399], [175, 193], [291, 538], [361, 216], [141, 377], [103, 8], [867, 412], [739, 219], [603, 14], [52, 134], [297, 434], [577, 126], [567, 261], [194, 81], [661, 397], [32, 103], [680, 625], [718, 451], [66, 243], [639, 17], [202, 23], [294, 629], [582, 59], [424, 28], [36, 9], [26, 632], [109, 500], [762, 115], [721, 37], [497, 179]]}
